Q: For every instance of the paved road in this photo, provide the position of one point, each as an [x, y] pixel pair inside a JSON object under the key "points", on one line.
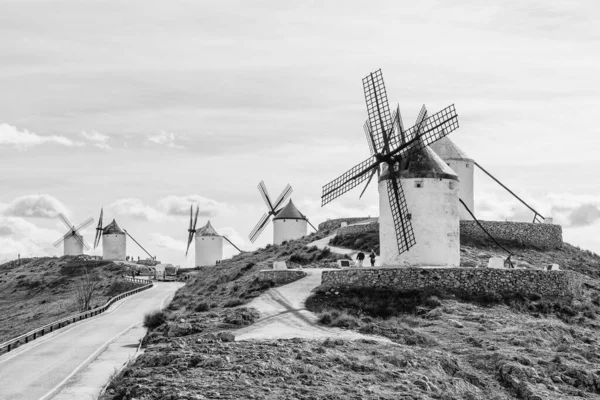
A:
{"points": [[283, 315], [75, 362]]}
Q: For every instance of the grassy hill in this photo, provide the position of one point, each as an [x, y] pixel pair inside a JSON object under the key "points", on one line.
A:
{"points": [[41, 290], [442, 347]]}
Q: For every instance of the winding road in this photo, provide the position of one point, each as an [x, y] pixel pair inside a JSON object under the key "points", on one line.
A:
{"points": [[77, 361]]}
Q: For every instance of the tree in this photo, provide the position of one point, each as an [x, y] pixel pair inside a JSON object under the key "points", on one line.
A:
{"points": [[86, 289]]}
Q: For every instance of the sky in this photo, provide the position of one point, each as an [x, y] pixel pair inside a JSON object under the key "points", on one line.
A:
{"points": [[146, 107]]}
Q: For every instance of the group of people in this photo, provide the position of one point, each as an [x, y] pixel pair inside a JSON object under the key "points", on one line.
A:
{"points": [[360, 257]]}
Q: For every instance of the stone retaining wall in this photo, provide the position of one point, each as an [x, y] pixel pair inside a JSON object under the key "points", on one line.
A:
{"points": [[336, 223], [281, 277], [543, 236], [473, 281], [356, 229]]}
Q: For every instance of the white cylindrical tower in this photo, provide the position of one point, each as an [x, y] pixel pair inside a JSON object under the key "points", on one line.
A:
{"points": [[431, 192], [464, 167], [114, 243], [73, 245], [209, 246], [289, 224]]}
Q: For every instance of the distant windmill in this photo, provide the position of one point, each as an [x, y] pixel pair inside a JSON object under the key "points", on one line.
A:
{"points": [[209, 244], [114, 240], [73, 241], [429, 195], [288, 222]]}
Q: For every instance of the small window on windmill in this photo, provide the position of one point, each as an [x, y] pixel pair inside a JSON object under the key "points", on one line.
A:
{"points": [[418, 184], [451, 185], [468, 165]]}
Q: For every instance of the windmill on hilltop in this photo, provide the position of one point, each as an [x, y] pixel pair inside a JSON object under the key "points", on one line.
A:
{"points": [[209, 244], [73, 240], [288, 222], [114, 240], [418, 192]]}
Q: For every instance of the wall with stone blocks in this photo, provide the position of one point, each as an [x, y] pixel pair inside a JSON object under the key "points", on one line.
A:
{"points": [[460, 280], [281, 277], [543, 236], [356, 229], [336, 223]]}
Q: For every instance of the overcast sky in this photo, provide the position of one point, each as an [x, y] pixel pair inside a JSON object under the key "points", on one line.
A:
{"points": [[143, 107]]}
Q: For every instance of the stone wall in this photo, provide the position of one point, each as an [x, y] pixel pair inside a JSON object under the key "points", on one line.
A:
{"points": [[460, 280], [356, 229], [543, 236], [281, 277], [336, 223]]}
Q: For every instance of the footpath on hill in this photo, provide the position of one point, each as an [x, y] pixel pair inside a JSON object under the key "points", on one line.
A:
{"points": [[77, 361], [284, 316], [324, 242]]}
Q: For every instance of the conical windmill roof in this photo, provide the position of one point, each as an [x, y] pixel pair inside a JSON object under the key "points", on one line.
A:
{"points": [[426, 164], [289, 212], [207, 230], [448, 150], [113, 229]]}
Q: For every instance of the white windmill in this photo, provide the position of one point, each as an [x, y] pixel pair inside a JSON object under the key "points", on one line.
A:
{"points": [[114, 240], [288, 222], [209, 243], [418, 192], [73, 240]]}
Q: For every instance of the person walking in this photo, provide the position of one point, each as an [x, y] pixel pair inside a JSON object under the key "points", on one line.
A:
{"points": [[372, 256], [360, 258]]}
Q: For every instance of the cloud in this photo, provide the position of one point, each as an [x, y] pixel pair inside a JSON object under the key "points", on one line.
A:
{"points": [[35, 205], [19, 236], [11, 136], [165, 139], [180, 205], [99, 140], [167, 242], [134, 208]]}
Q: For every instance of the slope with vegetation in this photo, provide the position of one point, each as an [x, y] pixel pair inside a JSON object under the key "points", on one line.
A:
{"points": [[37, 291], [443, 346]]}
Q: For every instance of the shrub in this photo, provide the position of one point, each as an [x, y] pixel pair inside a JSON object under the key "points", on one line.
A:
{"points": [[202, 307], [233, 303], [154, 319]]}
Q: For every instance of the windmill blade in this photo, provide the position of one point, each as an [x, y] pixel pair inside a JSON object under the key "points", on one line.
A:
{"points": [[348, 181], [99, 229], [191, 216], [83, 242], [59, 241], [369, 134], [429, 131], [402, 225], [196, 218], [420, 118], [368, 182], [237, 248], [262, 188], [190, 238], [378, 109], [84, 224], [64, 219], [287, 191], [136, 242], [397, 134], [262, 223]]}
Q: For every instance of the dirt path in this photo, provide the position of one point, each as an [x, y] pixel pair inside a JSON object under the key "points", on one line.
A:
{"points": [[283, 315], [322, 243]]}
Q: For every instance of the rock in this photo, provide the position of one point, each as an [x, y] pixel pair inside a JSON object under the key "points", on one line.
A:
{"points": [[226, 336], [455, 323]]}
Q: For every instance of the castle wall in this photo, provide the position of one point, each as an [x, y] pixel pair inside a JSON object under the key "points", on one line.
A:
{"points": [[543, 236], [336, 223], [472, 281], [281, 277]]}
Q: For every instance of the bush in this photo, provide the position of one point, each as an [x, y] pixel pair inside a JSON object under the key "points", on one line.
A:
{"points": [[233, 303], [154, 319], [202, 307]]}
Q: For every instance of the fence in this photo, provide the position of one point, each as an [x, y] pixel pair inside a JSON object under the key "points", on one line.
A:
{"points": [[51, 327]]}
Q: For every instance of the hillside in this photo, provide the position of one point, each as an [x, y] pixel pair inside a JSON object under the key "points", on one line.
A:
{"points": [[442, 347], [42, 290]]}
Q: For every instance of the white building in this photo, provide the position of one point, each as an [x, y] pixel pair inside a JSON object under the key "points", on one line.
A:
{"points": [[289, 224], [73, 244], [209, 246], [431, 191], [463, 166], [113, 242]]}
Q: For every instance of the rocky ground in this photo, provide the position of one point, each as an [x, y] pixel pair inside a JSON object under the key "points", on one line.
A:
{"points": [[37, 291], [443, 347]]}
